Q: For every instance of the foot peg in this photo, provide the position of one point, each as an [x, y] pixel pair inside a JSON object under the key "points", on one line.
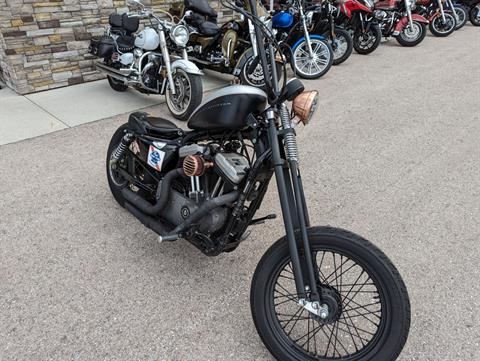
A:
{"points": [[262, 219], [168, 238]]}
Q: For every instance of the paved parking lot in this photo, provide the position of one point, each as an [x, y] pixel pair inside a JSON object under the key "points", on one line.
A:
{"points": [[393, 154]]}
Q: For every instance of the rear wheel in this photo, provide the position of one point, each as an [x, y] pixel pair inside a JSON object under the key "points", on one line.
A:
{"points": [[412, 36], [368, 315], [188, 94], [312, 66], [342, 45], [116, 85], [116, 181], [441, 28], [365, 42], [475, 15]]}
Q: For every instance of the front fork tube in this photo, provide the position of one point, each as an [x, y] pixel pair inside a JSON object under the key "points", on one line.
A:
{"points": [[452, 8], [305, 31], [442, 11], [294, 214], [166, 60], [410, 19]]}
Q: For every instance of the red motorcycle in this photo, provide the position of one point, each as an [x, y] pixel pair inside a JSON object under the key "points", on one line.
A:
{"points": [[396, 19], [356, 16], [441, 22]]}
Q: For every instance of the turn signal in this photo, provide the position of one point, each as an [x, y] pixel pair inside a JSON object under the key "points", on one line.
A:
{"points": [[195, 165], [304, 105]]}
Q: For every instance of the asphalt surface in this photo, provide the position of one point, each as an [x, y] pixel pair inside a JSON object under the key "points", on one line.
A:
{"points": [[393, 155]]}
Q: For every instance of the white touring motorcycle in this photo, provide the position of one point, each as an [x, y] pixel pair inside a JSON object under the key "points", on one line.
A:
{"points": [[143, 60]]}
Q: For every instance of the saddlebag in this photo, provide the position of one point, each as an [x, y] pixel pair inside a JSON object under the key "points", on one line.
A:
{"points": [[123, 21], [102, 47]]}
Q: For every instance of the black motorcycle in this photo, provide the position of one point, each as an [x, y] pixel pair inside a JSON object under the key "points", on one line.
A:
{"points": [[318, 292], [473, 9], [322, 17]]}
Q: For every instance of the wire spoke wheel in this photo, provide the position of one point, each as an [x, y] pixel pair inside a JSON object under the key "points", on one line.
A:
{"points": [[353, 300], [368, 308], [315, 64]]}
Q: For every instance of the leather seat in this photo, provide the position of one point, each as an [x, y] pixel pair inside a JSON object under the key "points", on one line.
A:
{"points": [[204, 26], [144, 123], [208, 28], [125, 43]]}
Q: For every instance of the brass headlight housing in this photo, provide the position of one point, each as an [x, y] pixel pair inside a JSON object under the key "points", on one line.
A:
{"points": [[304, 105]]}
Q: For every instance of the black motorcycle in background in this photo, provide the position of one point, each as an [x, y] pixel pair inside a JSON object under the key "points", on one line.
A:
{"points": [[318, 293], [322, 19], [473, 9]]}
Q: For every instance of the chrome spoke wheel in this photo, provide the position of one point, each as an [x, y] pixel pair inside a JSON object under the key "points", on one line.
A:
{"points": [[314, 64]]}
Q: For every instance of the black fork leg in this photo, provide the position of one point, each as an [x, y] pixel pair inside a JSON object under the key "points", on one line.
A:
{"points": [[303, 220], [283, 191]]}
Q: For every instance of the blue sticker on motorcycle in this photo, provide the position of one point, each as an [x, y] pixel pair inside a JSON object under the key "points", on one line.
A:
{"points": [[155, 158]]}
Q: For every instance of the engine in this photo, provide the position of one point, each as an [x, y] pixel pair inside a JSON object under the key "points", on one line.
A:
{"points": [[212, 171]]}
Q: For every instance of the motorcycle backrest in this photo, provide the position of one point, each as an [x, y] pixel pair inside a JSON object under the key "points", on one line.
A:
{"points": [[129, 24], [201, 7]]}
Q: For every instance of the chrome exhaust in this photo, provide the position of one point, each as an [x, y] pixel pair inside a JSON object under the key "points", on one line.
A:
{"points": [[118, 74]]}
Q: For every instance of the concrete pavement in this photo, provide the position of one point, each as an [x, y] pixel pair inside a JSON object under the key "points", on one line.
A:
{"points": [[32, 115], [393, 154]]}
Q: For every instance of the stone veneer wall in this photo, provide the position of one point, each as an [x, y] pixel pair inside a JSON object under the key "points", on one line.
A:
{"points": [[44, 43]]}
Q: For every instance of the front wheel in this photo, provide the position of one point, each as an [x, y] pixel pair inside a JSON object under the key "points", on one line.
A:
{"points": [[461, 16], [441, 28], [342, 45], [365, 42], [315, 65], [188, 94], [474, 15], [411, 36], [368, 315]]}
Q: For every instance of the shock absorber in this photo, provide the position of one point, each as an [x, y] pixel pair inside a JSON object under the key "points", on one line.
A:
{"points": [[290, 139], [121, 148]]}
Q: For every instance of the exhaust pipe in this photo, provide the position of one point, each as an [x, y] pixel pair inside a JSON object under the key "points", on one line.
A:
{"points": [[152, 223], [118, 74]]}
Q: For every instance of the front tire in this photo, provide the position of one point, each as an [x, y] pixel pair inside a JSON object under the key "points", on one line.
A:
{"points": [[188, 94], [366, 293], [409, 38], [312, 67], [366, 42], [474, 15], [342, 46], [461, 16], [440, 28]]}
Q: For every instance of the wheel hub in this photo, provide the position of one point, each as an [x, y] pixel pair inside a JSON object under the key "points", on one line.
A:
{"points": [[332, 299]]}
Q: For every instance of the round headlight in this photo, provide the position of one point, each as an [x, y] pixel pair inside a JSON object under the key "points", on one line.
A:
{"points": [[179, 34], [304, 105]]}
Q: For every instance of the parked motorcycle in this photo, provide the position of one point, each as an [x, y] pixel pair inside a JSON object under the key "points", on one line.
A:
{"points": [[459, 12], [357, 17], [473, 9], [144, 60], [310, 54], [317, 293], [229, 49], [322, 20], [441, 23], [396, 19]]}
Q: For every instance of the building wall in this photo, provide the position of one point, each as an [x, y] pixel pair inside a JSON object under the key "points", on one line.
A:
{"points": [[45, 42]]}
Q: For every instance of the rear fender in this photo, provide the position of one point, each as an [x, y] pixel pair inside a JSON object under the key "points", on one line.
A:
{"points": [[404, 22]]}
